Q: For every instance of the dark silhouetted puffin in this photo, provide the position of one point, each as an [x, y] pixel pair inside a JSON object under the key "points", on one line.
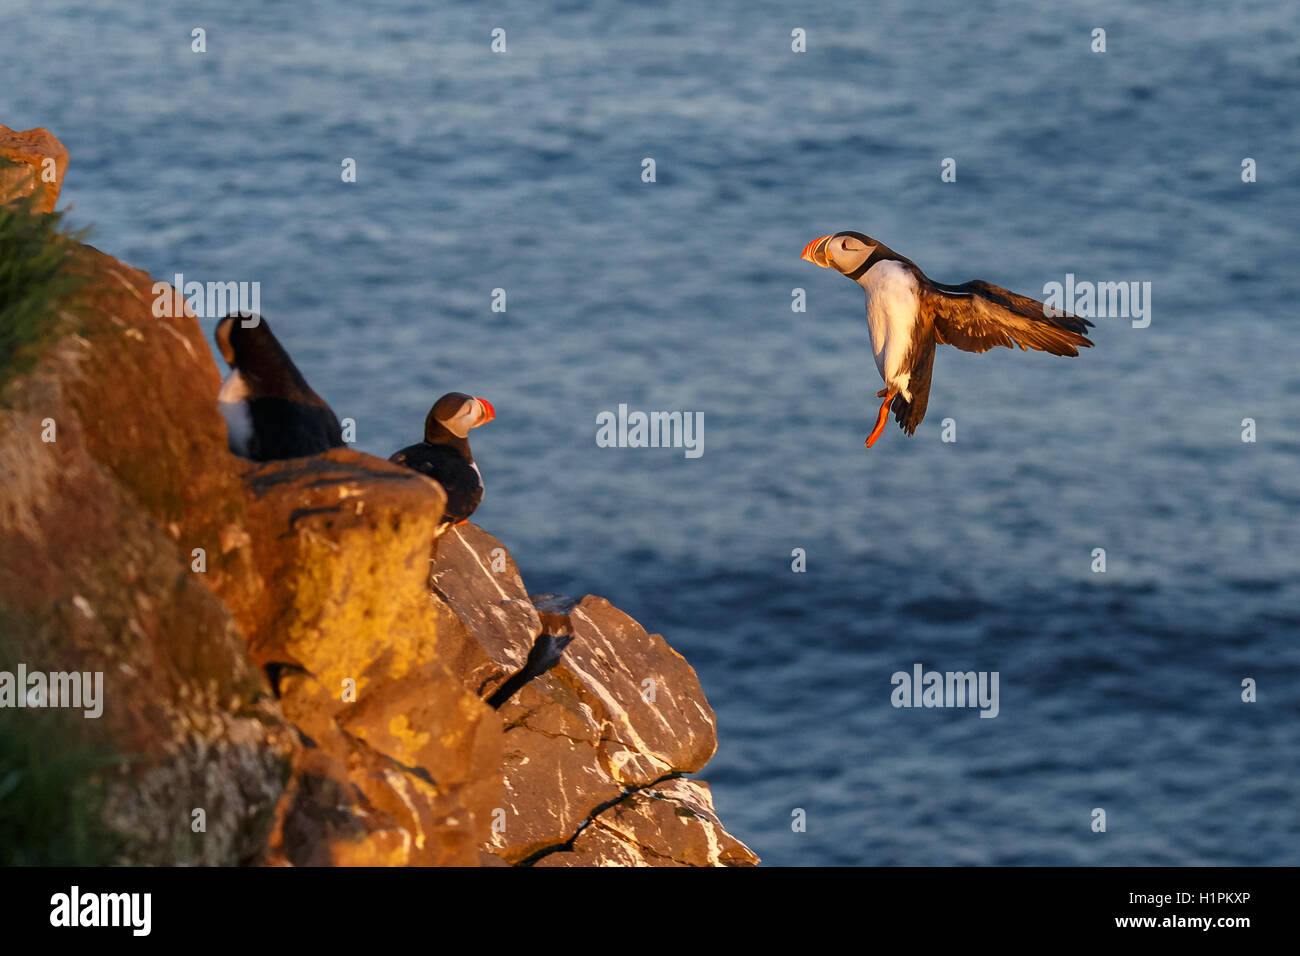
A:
{"points": [[545, 654], [444, 454], [270, 410], [908, 314]]}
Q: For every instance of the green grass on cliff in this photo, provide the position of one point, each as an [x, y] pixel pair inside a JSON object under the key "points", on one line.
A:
{"points": [[35, 282], [51, 802], [51, 789]]}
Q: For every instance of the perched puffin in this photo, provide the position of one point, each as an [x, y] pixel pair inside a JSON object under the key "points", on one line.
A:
{"points": [[908, 314], [444, 454], [270, 410], [545, 654]]}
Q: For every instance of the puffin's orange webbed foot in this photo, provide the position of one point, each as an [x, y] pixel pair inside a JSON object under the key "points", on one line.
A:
{"points": [[882, 418]]}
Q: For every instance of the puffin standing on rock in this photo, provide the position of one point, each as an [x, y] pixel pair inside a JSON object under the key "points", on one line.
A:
{"points": [[444, 454], [908, 314], [270, 410]]}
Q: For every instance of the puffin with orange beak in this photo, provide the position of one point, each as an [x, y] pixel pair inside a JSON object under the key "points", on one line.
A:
{"points": [[908, 314], [444, 454]]}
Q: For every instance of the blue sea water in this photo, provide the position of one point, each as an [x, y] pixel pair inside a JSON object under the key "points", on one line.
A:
{"points": [[1118, 690]]}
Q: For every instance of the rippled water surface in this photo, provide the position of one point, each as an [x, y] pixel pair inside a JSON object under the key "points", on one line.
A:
{"points": [[523, 171]]}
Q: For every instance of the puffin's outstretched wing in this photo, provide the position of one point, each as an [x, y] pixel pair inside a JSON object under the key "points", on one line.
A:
{"points": [[977, 316]]}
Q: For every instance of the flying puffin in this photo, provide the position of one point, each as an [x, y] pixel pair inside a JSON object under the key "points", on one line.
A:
{"points": [[444, 454], [270, 410], [908, 314]]}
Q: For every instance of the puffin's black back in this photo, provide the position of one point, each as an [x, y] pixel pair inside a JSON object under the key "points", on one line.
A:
{"points": [[449, 468], [287, 418], [285, 429]]}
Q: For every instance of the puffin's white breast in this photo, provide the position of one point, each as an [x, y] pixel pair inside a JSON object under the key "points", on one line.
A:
{"points": [[233, 402], [893, 303]]}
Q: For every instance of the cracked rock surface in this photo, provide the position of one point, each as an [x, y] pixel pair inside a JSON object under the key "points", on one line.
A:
{"points": [[601, 736], [671, 823]]}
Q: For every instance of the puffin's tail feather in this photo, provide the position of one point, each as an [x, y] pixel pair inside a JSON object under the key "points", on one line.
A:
{"points": [[910, 414]]}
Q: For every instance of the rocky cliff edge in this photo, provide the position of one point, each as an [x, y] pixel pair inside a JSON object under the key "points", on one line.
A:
{"points": [[289, 676]]}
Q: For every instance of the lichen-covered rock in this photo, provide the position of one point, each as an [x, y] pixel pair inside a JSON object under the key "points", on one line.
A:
{"points": [[342, 540], [32, 163]]}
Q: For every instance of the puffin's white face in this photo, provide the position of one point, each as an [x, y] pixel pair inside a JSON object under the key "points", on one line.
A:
{"points": [[471, 413], [844, 251]]}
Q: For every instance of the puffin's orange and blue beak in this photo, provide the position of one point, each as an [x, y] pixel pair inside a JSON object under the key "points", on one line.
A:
{"points": [[817, 253], [489, 412]]}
